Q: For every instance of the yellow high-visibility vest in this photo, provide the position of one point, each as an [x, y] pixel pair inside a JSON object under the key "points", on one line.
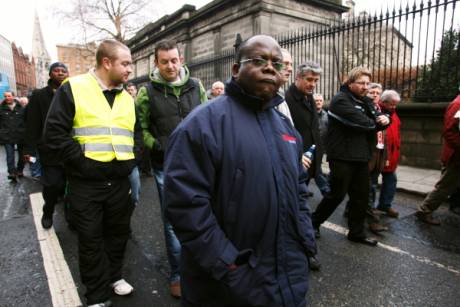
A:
{"points": [[104, 133]]}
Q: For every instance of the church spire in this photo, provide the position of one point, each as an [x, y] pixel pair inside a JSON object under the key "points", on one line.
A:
{"points": [[39, 52]]}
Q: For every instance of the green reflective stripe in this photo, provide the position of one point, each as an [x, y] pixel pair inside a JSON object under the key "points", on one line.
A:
{"points": [[102, 147], [91, 131]]}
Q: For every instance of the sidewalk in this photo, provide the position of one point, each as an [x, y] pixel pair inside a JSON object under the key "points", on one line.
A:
{"points": [[414, 180]]}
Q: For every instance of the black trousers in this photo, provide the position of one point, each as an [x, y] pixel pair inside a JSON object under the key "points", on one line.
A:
{"points": [[346, 177], [101, 213], [54, 181]]}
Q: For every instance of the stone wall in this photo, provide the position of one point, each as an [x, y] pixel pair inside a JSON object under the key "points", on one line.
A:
{"points": [[421, 128], [212, 29]]}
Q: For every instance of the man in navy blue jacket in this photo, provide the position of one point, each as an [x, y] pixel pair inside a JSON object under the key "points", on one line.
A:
{"points": [[235, 192]]}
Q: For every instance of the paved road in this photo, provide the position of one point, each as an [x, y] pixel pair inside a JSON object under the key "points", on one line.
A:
{"points": [[417, 265]]}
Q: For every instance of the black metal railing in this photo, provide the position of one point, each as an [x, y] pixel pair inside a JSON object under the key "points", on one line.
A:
{"points": [[412, 49]]}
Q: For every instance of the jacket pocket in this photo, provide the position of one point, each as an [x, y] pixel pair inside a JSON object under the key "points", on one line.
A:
{"points": [[239, 283]]}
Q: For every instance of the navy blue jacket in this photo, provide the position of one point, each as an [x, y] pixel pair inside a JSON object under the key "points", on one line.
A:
{"points": [[235, 193]]}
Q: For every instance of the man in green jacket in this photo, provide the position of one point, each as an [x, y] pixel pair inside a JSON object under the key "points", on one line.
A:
{"points": [[170, 96]]}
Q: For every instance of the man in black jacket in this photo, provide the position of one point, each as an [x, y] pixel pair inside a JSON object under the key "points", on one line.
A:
{"points": [[12, 133], [92, 124], [353, 122], [299, 98], [53, 177]]}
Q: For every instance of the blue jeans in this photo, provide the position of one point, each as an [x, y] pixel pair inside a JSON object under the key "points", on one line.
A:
{"points": [[10, 158], [135, 181], [173, 247], [35, 168], [387, 190]]}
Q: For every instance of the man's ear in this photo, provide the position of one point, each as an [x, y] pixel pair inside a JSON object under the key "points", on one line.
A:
{"points": [[235, 69], [106, 63], [182, 60]]}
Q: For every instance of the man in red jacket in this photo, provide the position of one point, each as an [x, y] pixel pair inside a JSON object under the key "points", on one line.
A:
{"points": [[450, 158], [388, 102]]}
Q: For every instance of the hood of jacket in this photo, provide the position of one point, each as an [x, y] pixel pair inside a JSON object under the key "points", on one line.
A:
{"points": [[184, 75], [232, 88]]}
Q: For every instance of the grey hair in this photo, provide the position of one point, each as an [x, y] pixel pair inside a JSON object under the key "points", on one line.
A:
{"points": [[317, 95], [217, 83], [375, 85], [389, 95], [309, 66]]}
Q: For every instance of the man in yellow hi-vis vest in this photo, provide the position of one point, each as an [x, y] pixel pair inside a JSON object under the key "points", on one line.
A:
{"points": [[92, 124]]}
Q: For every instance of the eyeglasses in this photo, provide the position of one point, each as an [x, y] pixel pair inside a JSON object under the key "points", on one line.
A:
{"points": [[362, 83], [259, 62]]}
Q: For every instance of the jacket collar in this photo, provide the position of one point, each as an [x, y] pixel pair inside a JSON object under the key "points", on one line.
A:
{"points": [[233, 89], [345, 89], [5, 106], [299, 96]]}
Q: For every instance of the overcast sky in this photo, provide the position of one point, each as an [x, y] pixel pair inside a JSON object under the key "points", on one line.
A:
{"points": [[16, 22]]}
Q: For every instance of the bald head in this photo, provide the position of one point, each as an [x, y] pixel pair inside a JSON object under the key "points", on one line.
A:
{"points": [[248, 44], [259, 66]]}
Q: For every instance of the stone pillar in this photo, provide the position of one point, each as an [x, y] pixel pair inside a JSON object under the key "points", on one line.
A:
{"points": [[261, 22]]}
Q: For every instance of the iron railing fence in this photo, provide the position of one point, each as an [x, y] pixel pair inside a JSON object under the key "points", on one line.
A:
{"points": [[413, 49]]}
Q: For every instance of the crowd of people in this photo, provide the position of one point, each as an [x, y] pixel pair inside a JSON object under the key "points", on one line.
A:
{"points": [[232, 166]]}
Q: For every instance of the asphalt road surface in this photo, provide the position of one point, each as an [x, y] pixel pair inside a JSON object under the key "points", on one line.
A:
{"points": [[415, 264]]}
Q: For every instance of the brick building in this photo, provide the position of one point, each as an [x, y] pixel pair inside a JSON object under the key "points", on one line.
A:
{"points": [[212, 29], [78, 58], [24, 68]]}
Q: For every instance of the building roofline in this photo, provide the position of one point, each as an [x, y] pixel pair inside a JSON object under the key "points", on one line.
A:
{"points": [[197, 14], [163, 20], [338, 8]]}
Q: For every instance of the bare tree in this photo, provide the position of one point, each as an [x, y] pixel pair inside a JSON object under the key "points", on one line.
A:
{"points": [[101, 19]]}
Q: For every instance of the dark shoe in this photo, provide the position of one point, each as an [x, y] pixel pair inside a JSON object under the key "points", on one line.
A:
{"points": [[317, 233], [47, 221], [376, 228], [175, 290], [20, 174], [427, 218], [364, 240], [12, 176], [314, 264]]}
